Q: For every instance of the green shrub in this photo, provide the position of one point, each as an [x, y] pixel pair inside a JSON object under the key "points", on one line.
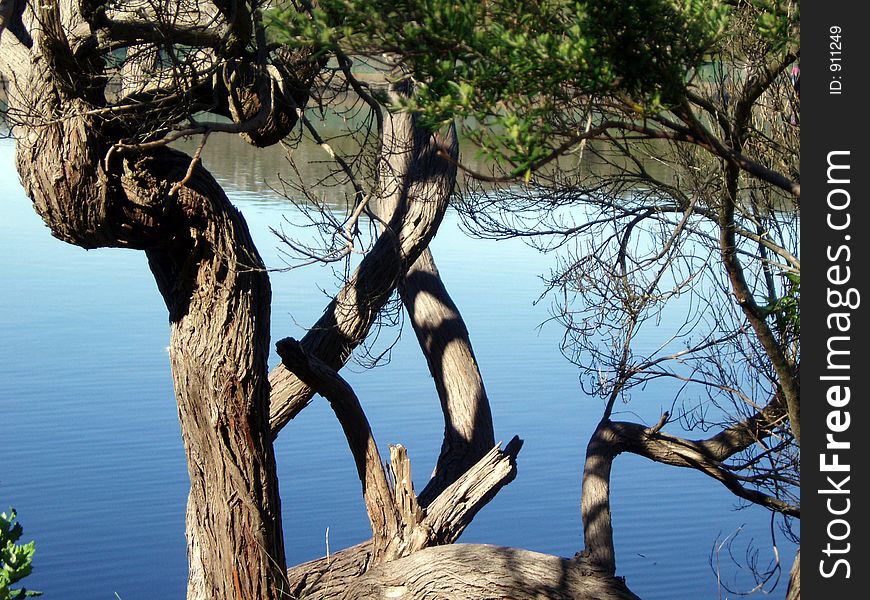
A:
{"points": [[15, 558]]}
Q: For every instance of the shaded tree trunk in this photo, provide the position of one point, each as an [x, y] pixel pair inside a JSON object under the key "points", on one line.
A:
{"points": [[612, 438], [415, 183], [595, 498], [446, 344], [215, 288]]}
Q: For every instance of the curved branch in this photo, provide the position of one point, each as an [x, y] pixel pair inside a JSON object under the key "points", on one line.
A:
{"points": [[445, 342], [417, 184], [790, 258], [679, 452], [608, 129], [130, 32], [384, 515], [611, 438], [742, 435]]}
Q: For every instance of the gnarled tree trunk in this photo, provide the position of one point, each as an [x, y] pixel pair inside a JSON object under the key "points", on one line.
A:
{"points": [[100, 175], [210, 276], [218, 297]]}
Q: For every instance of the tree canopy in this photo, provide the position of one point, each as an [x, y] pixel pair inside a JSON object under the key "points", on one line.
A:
{"points": [[521, 74]]}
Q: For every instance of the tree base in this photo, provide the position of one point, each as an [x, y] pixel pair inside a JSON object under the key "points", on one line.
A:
{"points": [[456, 572]]}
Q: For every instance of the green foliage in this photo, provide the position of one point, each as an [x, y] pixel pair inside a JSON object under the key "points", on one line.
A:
{"points": [[779, 24], [522, 72], [517, 67], [15, 559], [788, 308]]}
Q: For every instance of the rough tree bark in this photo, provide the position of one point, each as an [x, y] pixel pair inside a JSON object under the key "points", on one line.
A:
{"points": [[218, 296], [209, 274], [479, 572]]}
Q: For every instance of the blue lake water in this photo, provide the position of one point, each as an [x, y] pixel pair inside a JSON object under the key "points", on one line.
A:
{"points": [[90, 448]]}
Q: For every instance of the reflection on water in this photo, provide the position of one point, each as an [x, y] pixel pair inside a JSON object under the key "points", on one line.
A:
{"points": [[259, 174], [93, 458]]}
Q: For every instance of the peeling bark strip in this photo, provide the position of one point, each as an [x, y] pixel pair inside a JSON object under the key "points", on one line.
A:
{"points": [[418, 183], [678, 452], [452, 511]]}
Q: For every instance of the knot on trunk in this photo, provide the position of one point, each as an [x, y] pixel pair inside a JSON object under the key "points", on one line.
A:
{"points": [[270, 100]]}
